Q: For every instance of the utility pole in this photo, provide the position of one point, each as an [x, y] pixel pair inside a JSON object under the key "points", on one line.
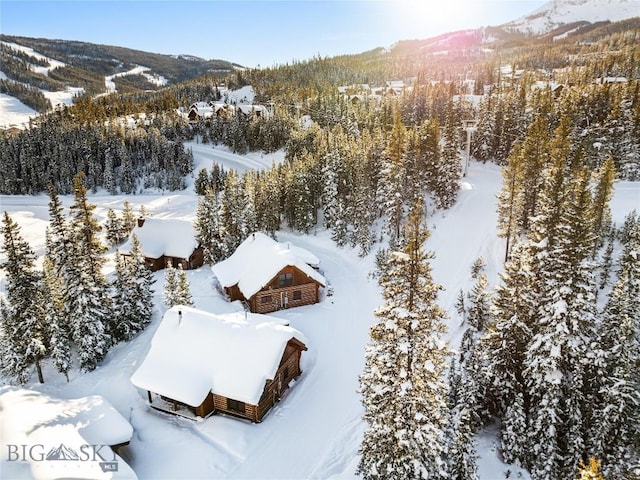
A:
{"points": [[470, 126]]}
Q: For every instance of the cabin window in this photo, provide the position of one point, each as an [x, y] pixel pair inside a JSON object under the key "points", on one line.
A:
{"points": [[235, 405], [297, 294], [266, 299], [285, 280], [286, 373]]}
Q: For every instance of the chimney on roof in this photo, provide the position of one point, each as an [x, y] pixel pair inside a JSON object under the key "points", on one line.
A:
{"points": [[140, 221]]}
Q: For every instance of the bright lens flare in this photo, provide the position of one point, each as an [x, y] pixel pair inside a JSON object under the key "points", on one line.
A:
{"points": [[424, 18]]}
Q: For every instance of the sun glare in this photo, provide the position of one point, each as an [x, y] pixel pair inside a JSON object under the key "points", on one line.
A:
{"points": [[424, 18]]}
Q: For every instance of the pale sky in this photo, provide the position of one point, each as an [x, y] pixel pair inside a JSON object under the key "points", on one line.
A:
{"points": [[253, 33]]}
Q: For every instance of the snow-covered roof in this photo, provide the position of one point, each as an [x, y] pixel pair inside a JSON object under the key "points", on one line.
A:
{"points": [[57, 429], [164, 236], [247, 109], [233, 355], [259, 259]]}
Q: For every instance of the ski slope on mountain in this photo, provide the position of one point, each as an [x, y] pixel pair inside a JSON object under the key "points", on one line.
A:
{"points": [[316, 429], [559, 12]]}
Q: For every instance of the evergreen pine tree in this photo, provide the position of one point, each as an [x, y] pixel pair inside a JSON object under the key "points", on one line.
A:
{"points": [[133, 295], [176, 287], [615, 431], [393, 180], [60, 335], [479, 304], [114, 228], [170, 285], [208, 227], [591, 471], [128, 218], [601, 197], [88, 301], [450, 166], [183, 290], [505, 345], [25, 337], [402, 384]]}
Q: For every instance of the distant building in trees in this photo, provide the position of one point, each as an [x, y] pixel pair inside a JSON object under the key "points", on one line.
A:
{"points": [[167, 239]]}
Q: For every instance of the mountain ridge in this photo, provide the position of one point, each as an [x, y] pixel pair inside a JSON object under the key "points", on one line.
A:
{"points": [[561, 12]]}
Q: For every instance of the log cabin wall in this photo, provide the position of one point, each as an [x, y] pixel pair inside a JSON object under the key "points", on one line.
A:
{"points": [[206, 407], [236, 408], [267, 301], [288, 370], [234, 293]]}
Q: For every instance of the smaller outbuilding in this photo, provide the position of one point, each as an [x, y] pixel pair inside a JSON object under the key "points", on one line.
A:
{"points": [[236, 363], [167, 239], [270, 275]]}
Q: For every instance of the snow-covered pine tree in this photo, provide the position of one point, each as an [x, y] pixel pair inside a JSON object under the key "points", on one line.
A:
{"points": [[615, 429], [449, 171], [601, 197], [556, 359], [509, 197], [461, 451], [133, 295], [170, 285], [479, 304], [183, 292], [88, 301], [363, 198], [331, 171], [24, 334], [393, 180], [201, 183], [208, 227], [232, 206], [460, 306], [402, 385], [533, 157], [60, 264], [478, 267], [128, 218], [114, 228], [505, 346], [60, 334], [591, 471], [249, 212], [176, 287], [483, 139], [607, 259]]}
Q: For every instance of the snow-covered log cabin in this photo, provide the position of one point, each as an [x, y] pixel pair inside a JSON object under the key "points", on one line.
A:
{"points": [[270, 275], [63, 437], [167, 239], [237, 363]]}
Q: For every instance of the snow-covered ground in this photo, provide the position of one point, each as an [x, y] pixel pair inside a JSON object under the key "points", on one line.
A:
{"points": [[315, 431], [137, 70], [555, 13], [14, 113]]}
